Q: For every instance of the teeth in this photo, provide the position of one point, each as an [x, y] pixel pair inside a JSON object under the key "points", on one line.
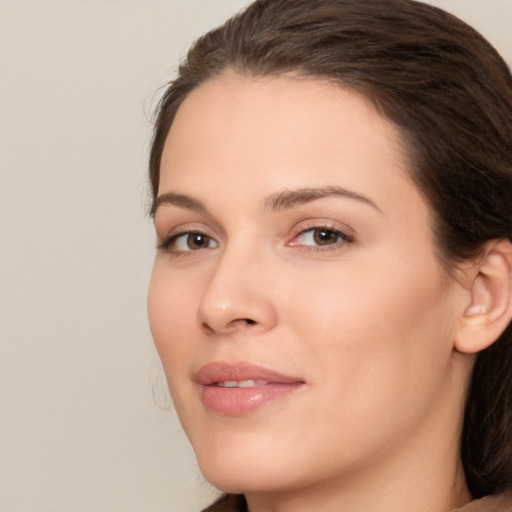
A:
{"points": [[241, 383], [247, 384], [229, 384]]}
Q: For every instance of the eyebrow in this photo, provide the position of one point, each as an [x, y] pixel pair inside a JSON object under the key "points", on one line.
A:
{"points": [[179, 200], [282, 200], [295, 197]]}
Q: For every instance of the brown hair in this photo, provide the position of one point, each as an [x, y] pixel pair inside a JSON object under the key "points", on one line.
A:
{"points": [[450, 95]]}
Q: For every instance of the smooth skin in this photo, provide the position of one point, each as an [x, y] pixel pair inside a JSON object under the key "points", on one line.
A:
{"points": [[290, 236]]}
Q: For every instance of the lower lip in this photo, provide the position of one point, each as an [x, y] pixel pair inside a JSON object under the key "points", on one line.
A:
{"points": [[239, 401]]}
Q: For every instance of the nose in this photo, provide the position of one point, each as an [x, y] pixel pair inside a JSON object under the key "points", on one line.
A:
{"points": [[238, 295]]}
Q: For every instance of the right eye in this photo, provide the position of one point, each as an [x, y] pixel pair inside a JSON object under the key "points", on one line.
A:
{"points": [[189, 241]]}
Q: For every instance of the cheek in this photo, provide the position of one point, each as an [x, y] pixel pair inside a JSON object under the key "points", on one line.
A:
{"points": [[377, 321], [378, 345], [171, 315], [170, 311]]}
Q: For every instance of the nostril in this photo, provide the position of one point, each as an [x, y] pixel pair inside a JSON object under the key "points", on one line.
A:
{"points": [[206, 328], [229, 327]]}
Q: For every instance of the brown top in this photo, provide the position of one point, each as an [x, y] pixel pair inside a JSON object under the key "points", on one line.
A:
{"points": [[501, 503]]}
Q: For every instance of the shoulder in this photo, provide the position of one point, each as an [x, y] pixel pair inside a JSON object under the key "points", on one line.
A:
{"points": [[500, 503]]}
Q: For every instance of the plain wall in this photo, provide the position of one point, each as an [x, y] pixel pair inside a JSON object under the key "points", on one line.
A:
{"points": [[80, 428]]}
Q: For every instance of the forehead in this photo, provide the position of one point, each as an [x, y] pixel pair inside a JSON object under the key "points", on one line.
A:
{"points": [[243, 136]]}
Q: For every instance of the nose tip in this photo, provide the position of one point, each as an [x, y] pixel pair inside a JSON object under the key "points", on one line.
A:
{"points": [[236, 301]]}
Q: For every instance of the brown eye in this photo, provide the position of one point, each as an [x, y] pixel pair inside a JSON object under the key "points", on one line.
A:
{"points": [[187, 242], [323, 236], [198, 241]]}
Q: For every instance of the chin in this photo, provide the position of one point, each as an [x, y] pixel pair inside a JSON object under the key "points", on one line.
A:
{"points": [[243, 471], [245, 480]]}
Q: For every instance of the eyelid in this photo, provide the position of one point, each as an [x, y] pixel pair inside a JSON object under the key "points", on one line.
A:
{"points": [[170, 240], [346, 234], [165, 242], [169, 218]]}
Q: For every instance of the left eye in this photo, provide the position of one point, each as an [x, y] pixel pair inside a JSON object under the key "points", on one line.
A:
{"points": [[191, 242], [320, 237]]}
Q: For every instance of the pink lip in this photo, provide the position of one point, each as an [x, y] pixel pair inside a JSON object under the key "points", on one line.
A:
{"points": [[235, 401]]}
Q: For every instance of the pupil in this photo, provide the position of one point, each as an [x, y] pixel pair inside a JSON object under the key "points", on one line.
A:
{"points": [[197, 241], [324, 237]]}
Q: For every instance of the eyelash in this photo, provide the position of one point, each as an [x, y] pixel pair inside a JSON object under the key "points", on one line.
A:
{"points": [[169, 243], [342, 239]]}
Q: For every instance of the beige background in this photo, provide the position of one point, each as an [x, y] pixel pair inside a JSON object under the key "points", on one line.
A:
{"points": [[80, 430]]}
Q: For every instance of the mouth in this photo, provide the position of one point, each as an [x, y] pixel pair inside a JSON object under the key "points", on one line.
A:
{"points": [[250, 383], [239, 389]]}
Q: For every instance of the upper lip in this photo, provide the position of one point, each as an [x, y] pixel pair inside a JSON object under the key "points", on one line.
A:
{"points": [[219, 371]]}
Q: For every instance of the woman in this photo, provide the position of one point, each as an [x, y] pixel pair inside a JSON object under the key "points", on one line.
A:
{"points": [[331, 297]]}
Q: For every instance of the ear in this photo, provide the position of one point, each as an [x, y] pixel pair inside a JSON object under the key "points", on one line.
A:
{"points": [[490, 309]]}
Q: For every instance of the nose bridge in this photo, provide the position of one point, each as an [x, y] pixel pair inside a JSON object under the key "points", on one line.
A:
{"points": [[237, 294]]}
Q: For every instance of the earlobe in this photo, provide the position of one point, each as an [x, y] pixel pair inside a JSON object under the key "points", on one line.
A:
{"points": [[490, 309]]}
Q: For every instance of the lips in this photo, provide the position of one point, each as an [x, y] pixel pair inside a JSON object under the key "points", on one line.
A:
{"points": [[238, 389]]}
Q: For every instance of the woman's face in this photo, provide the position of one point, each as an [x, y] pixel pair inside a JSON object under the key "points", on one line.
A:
{"points": [[303, 321]]}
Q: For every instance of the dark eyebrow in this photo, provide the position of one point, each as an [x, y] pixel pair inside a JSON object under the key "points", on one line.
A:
{"points": [[278, 201], [296, 197], [179, 200]]}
